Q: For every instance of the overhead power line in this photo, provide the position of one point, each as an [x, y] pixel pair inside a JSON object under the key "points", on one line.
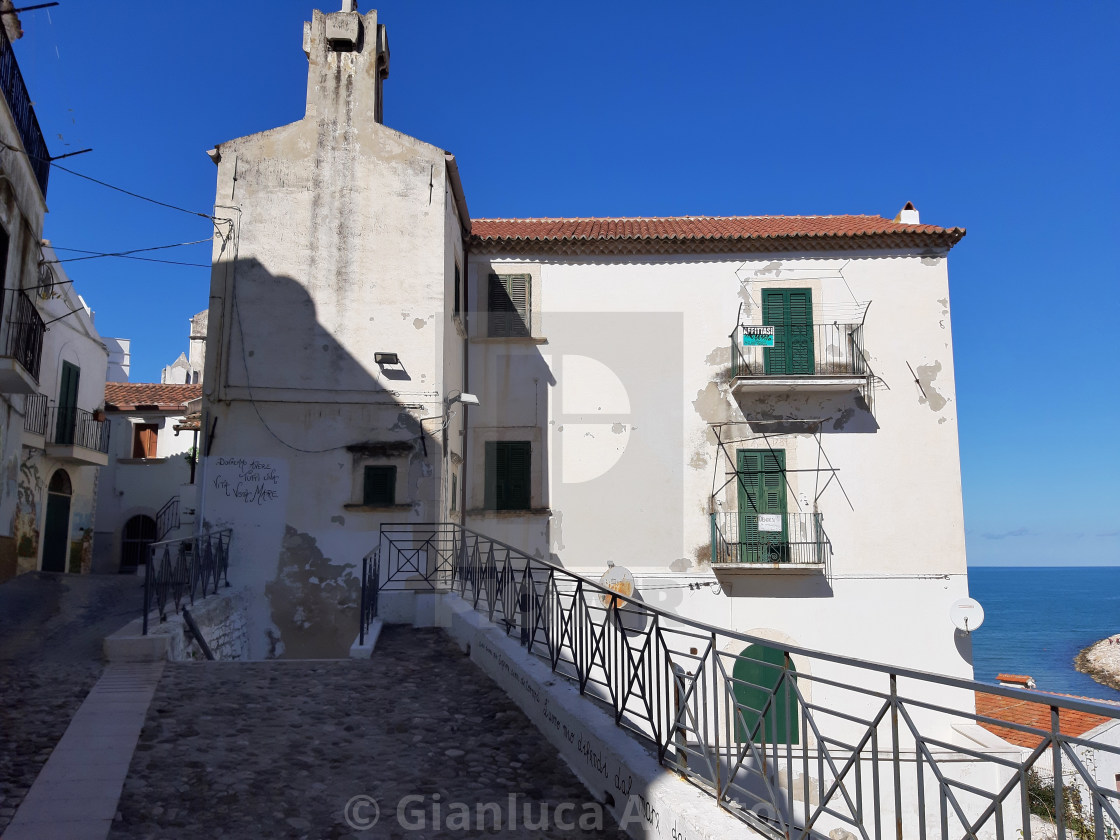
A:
{"points": [[93, 255]]}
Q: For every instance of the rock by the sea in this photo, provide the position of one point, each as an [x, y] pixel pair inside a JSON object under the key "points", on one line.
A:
{"points": [[1101, 661]]}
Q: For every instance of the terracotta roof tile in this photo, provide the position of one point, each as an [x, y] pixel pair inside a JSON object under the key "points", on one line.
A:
{"points": [[123, 396], [1037, 715], [708, 234]]}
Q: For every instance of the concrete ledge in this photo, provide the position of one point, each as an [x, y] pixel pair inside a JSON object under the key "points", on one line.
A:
{"points": [[647, 800], [360, 651], [130, 645]]}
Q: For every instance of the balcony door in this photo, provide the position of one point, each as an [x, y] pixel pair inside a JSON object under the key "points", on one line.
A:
{"points": [[67, 404], [763, 526], [790, 312]]}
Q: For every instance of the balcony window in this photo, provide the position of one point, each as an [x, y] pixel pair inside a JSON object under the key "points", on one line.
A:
{"points": [[508, 475], [144, 437]]}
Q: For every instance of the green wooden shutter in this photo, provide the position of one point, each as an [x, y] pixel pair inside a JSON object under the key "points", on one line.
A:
{"points": [[67, 403], [762, 489], [518, 475], [790, 312], [491, 477], [380, 484], [508, 305]]}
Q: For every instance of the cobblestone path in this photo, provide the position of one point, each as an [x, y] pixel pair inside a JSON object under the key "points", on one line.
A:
{"points": [[51, 627], [278, 749]]}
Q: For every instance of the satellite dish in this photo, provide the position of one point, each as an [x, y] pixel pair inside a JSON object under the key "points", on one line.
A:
{"points": [[616, 579], [966, 614]]}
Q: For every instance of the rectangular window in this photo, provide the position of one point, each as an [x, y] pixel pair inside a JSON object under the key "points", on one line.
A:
{"points": [[144, 440], [508, 475], [508, 305], [379, 486]]}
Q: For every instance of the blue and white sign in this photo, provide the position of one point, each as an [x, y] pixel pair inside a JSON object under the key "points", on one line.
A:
{"points": [[760, 336]]}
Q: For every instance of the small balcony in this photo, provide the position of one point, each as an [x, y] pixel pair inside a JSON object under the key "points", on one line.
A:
{"points": [[812, 357], [785, 542], [19, 103], [77, 436], [23, 345]]}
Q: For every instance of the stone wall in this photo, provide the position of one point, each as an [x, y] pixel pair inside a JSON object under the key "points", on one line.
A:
{"points": [[223, 621]]}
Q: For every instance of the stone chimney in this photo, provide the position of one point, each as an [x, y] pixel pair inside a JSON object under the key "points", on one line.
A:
{"points": [[348, 62], [908, 215]]}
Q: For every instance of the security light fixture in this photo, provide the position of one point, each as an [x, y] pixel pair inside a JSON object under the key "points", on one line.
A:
{"points": [[465, 399], [386, 358]]}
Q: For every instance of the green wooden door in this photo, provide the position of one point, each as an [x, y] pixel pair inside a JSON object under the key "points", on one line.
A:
{"points": [[790, 312], [759, 679], [56, 526], [762, 491], [67, 404]]}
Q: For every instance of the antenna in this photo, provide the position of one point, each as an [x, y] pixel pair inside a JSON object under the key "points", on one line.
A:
{"points": [[966, 614]]}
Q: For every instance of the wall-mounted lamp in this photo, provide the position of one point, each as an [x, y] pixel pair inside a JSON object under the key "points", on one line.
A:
{"points": [[386, 359], [465, 399]]}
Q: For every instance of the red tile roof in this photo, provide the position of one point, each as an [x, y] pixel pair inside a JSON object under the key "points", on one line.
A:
{"points": [[708, 234], [1037, 715], [126, 396], [1018, 679]]}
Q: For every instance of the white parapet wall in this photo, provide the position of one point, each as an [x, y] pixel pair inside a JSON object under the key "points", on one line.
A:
{"points": [[646, 799]]}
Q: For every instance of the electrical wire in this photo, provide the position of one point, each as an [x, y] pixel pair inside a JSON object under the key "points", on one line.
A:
{"points": [[93, 255]]}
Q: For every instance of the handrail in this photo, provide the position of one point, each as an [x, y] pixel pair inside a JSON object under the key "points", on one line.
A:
{"points": [[185, 568], [794, 750]]}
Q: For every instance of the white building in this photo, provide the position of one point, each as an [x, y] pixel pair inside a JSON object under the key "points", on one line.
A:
{"points": [[147, 490], [52, 361], [64, 435], [808, 492], [187, 369]]}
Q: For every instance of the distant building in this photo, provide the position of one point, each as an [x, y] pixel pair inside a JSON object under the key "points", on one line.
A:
{"points": [[146, 492], [188, 368]]}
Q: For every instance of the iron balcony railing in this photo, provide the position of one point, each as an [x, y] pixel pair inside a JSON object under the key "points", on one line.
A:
{"points": [[25, 331], [814, 350], [796, 538], [795, 742], [185, 569], [19, 103], [35, 414], [72, 426]]}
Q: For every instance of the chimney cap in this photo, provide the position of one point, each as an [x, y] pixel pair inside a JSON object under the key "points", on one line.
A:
{"points": [[908, 215]]}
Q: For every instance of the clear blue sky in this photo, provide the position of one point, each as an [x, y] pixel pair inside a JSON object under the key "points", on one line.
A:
{"points": [[999, 117]]}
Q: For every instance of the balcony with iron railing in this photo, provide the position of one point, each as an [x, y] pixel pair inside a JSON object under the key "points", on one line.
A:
{"points": [[23, 344], [785, 541], [818, 357], [77, 436], [23, 113]]}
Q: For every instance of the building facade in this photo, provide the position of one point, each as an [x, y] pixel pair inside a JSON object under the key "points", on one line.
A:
{"points": [[755, 416], [147, 489], [52, 361]]}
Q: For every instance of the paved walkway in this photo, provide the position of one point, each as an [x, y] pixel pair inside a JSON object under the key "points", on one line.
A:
{"points": [[302, 749], [51, 627]]}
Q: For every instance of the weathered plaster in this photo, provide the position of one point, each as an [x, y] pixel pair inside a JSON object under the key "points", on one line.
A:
{"points": [[931, 396]]}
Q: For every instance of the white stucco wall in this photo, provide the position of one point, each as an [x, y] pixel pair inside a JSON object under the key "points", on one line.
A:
{"points": [[619, 388]]}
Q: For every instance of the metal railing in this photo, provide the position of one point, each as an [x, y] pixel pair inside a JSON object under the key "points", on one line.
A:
{"points": [[186, 568], [167, 519], [795, 742], [35, 414], [371, 574], [24, 341], [813, 350], [797, 538], [19, 103], [73, 426]]}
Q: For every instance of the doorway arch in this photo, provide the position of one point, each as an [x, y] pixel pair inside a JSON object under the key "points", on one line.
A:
{"points": [[56, 527], [139, 532], [757, 672]]}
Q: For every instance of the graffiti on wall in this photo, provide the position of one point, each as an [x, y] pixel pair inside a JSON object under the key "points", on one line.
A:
{"points": [[25, 520]]}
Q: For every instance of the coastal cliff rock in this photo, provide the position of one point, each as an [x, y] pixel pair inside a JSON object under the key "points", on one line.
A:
{"points": [[1101, 661]]}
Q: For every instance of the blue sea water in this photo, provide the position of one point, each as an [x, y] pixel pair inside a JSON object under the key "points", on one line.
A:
{"points": [[1037, 619]]}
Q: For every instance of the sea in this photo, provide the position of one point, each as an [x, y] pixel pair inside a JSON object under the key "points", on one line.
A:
{"points": [[1037, 619]]}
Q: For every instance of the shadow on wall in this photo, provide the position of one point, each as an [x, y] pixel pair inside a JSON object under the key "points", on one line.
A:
{"points": [[310, 451]]}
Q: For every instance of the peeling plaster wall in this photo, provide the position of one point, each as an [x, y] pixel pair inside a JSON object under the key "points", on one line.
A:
{"points": [[902, 545], [342, 246]]}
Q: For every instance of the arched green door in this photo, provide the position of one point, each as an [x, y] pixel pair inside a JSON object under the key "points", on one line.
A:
{"points": [[761, 666], [56, 528]]}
